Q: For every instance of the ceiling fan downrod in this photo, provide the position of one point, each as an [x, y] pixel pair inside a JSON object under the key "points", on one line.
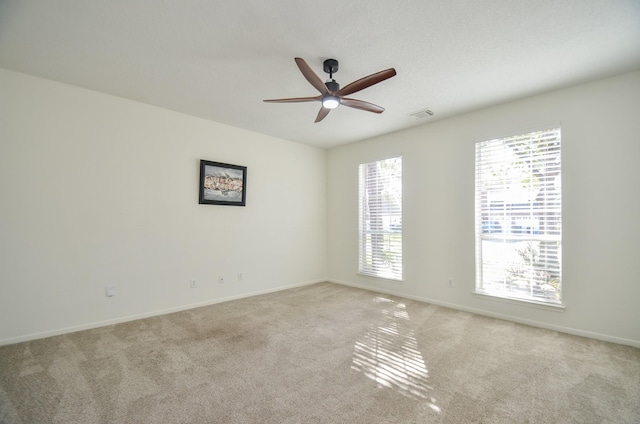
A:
{"points": [[330, 66]]}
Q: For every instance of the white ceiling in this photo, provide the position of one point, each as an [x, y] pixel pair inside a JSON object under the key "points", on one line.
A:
{"points": [[219, 59]]}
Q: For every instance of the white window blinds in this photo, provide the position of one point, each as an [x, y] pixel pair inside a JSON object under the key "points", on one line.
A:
{"points": [[519, 217], [380, 218]]}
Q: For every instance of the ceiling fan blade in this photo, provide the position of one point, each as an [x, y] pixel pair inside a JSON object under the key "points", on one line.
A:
{"points": [[294, 100], [359, 104], [322, 114], [365, 82], [311, 76]]}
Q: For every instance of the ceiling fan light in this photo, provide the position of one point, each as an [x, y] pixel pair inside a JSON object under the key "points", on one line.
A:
{"points": [[330, 102]]}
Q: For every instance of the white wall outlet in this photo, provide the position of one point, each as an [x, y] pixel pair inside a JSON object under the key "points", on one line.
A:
{"points": [[110, 291], [240, 276], [192, 284], [220, 279], [450, 282]]}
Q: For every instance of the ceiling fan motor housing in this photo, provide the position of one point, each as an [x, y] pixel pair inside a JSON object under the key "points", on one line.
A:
{"points": [[332, 85]]}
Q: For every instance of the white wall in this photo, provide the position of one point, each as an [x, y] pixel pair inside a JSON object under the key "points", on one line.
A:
{"points": [[98, 190], [601, 207]]}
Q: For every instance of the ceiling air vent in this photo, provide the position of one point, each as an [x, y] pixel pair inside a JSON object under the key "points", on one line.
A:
{"points": [[421, 114]]}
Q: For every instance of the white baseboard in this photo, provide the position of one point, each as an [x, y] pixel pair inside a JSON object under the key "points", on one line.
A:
{"points": [[88, 326], [561, 329], [119, 320]]}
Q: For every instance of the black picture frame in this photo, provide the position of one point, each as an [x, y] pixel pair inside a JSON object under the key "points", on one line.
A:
{"points": [[222, 184]]}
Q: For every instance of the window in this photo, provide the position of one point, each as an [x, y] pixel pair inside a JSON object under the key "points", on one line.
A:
{"points": [[519, 217], [380, 219]]}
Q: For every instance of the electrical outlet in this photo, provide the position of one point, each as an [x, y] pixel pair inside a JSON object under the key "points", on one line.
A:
{"points": [[450, 282], [220, 279], [192, 284], [110, 291], [240, 276]]}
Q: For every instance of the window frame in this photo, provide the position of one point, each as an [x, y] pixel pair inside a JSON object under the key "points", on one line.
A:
{"points": [[538, 242], [387, 263]]}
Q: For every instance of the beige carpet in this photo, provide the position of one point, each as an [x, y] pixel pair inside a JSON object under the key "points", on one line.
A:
{"points": [[319, 354]]}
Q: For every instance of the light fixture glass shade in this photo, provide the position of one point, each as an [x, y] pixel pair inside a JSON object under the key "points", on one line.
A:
{"points": [[330, 102]]}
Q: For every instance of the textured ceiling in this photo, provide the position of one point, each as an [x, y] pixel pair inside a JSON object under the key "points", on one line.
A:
{"points": [[219, 60]]}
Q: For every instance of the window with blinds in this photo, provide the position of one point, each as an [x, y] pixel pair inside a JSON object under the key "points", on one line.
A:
{"points": [[519, 217], [380, 219]]}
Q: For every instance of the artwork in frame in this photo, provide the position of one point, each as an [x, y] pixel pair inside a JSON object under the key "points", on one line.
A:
{"points": [[222, 184]]}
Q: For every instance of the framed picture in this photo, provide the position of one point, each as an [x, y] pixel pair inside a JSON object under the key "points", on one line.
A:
{"points": [[222, 184]]}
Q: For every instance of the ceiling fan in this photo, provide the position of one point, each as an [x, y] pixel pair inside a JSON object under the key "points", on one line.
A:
{"points": [[331, 95]]}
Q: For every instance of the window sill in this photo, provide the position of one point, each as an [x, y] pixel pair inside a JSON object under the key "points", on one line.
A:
{"points": [[522, 302], [378, 277]]}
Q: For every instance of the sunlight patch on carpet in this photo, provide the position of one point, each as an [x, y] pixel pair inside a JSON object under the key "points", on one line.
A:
{"points": [[388, 354]]}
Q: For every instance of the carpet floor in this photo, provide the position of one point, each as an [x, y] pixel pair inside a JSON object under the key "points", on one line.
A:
{"points": [[322, 353]]}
